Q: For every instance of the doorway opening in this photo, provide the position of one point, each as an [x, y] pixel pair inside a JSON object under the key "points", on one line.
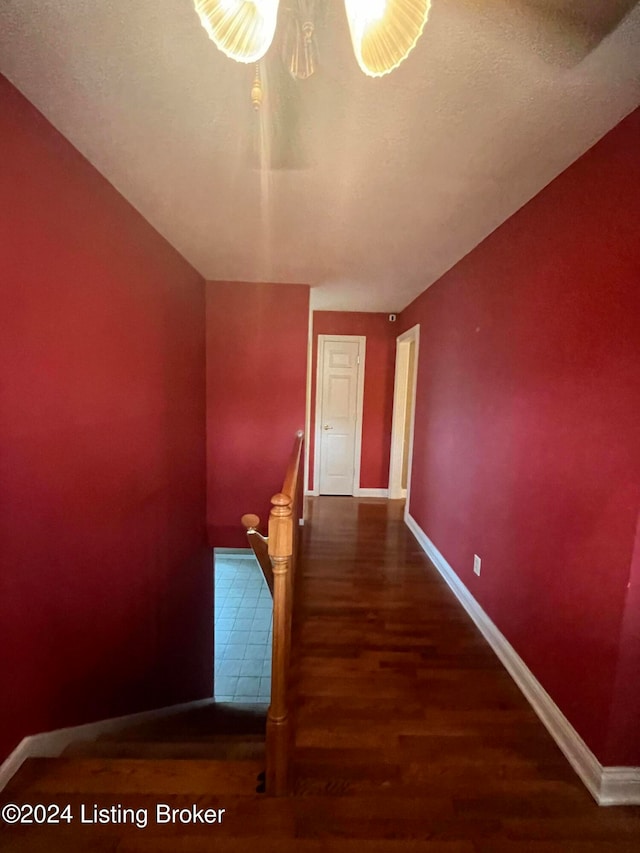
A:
{"points": [[404, 401]]}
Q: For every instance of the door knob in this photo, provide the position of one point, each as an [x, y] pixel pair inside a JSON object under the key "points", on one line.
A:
{"points": [[326, 426]]}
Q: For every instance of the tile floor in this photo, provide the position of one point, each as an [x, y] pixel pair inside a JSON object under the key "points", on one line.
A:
{"points": [[243, 622]]}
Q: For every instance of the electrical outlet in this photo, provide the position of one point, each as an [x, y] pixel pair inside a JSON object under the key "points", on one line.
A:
{"points": [[477, 564]]}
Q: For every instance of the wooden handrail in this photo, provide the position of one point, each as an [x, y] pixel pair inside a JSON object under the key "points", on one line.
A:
{"points": [[290, 484], [279, 564]]}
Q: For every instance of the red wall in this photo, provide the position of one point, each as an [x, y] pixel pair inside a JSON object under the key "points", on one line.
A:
{"points": [[527, 431], [256, 379], [378, 387], [105, 579]]}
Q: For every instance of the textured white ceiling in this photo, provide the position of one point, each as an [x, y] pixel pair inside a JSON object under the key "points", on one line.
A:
{"points": [[398, 177]]}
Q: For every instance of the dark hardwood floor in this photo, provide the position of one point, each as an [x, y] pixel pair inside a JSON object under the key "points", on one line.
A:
{"points": [[408, 726], [410, 736]]}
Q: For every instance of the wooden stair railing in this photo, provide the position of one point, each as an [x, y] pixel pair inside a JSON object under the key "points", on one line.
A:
{"points": [[277, 555], [260, 546]]}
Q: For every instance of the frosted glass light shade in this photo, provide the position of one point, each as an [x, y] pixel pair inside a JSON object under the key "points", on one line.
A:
{"points": [[242, 29], [384, 32]]}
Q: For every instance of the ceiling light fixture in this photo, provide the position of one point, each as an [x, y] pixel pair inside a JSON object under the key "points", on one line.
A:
{"points": [[383, 32], [242, 29]]}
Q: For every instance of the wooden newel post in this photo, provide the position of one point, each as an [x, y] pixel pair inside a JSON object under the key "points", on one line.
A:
{"points": [[276, 555], [278, 734]]}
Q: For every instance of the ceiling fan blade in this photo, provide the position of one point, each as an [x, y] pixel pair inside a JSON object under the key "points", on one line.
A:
{"points": [[563, 32], [597, 18]]}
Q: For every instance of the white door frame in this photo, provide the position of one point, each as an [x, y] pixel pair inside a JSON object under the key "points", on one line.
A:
{"points": [[362, 341], [307, 413], [398, 424]]}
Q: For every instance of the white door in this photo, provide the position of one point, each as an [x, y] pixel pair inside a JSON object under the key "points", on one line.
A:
{"points": [[341, 371]]}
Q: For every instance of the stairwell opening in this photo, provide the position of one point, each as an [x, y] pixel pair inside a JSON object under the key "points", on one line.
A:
{"points": [[243, 623]]}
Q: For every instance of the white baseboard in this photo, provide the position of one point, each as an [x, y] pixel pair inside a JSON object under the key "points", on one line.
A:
{"points": [[358, 493], [619, 786], [609, 786], [52, 744], [371, 493]]}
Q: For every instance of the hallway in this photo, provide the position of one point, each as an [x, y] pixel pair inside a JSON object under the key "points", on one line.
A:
{"points": [[406, 718], [410, 736]]}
